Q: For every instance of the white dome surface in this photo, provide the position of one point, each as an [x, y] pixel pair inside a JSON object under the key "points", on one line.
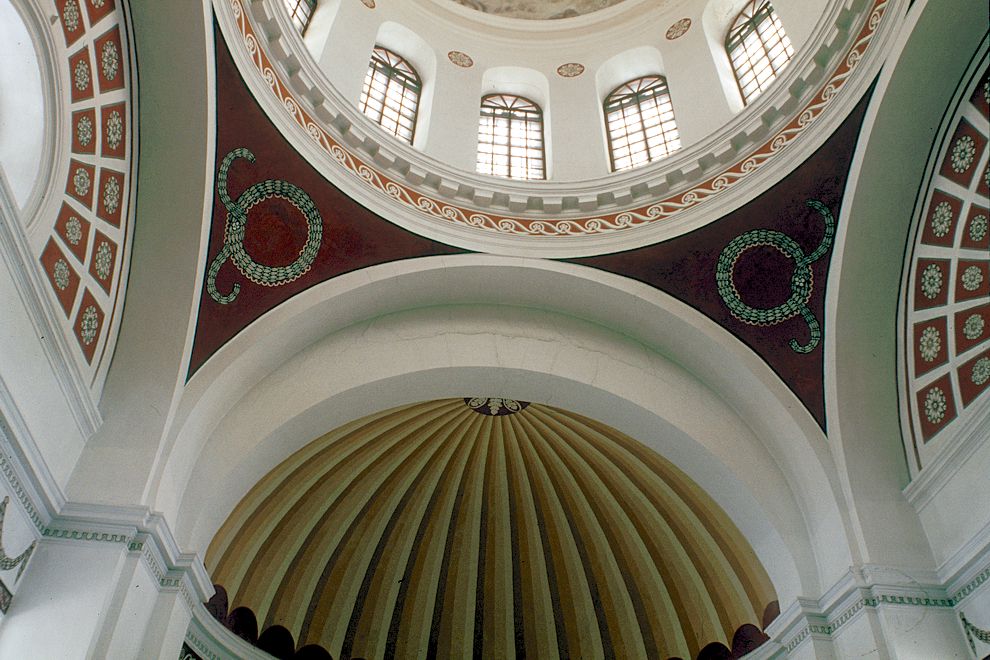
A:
{"points": [[538, 9]]}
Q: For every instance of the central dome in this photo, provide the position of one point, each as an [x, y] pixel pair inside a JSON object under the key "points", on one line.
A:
{"points": [[538, 9]]}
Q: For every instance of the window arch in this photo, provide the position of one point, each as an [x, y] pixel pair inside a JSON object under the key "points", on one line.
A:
{"points": [[300, 12], [758, 48], [639, 118], [390, 96], [510, 138]]}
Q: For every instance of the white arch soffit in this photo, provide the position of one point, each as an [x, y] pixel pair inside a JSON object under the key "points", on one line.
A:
{"points": [[434, 327], [163, 293], [769, 113], [30, 121], [863, 405]]}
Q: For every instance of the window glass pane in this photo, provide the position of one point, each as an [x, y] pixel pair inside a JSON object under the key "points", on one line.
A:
{"points": [[639, 118], [758, 48], [390, 96], [510, 128], [300, 12]]}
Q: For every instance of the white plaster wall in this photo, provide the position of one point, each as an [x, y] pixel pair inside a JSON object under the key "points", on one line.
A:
{"points": [[167, 628], [63, 601], [917, 633], [861, 637], [32, 386], [85, 594], [948, 514], [22, 114], [351, 34], [129, 611], [813, 649]]}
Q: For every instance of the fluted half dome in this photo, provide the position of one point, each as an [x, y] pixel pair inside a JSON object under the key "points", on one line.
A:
{"points": [[487, 528]]}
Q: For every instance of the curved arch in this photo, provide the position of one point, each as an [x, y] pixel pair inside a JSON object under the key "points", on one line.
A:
{"points": [[708, 404], [861, 374], [519, 81], [27, 135], [163, 293]]}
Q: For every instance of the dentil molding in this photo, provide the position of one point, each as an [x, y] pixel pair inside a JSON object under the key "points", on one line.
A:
{"points": [[863, 588], [135, 528]]}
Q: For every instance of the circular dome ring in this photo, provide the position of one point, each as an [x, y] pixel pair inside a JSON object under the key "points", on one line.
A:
{"points": [[619, 211]]}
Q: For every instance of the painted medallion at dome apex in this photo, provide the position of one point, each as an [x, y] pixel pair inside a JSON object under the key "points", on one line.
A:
{"points": [[538, 9]]}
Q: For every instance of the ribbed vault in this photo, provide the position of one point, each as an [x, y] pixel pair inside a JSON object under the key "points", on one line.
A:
{"points": [[438, 530]]}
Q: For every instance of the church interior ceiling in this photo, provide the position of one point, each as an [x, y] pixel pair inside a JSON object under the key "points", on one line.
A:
{"points": [[279, 228], [670, 200], [292, 249], [492, 527]]}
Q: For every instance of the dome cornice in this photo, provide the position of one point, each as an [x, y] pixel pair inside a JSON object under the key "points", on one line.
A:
{"points": [[619, 211]]}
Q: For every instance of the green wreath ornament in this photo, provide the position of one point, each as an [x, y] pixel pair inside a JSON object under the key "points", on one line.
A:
{"points": [[802, 280], [236, 224]]}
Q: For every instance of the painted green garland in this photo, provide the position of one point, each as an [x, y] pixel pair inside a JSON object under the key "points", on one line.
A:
{"points": [[802, 280], [237, 217], [6, 561]]}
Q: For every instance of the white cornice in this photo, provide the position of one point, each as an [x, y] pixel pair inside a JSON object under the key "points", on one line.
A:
{"points": [[869, 587], [141, 530], [136, 528], [209, 638], [969, 568], [861, 589]]}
